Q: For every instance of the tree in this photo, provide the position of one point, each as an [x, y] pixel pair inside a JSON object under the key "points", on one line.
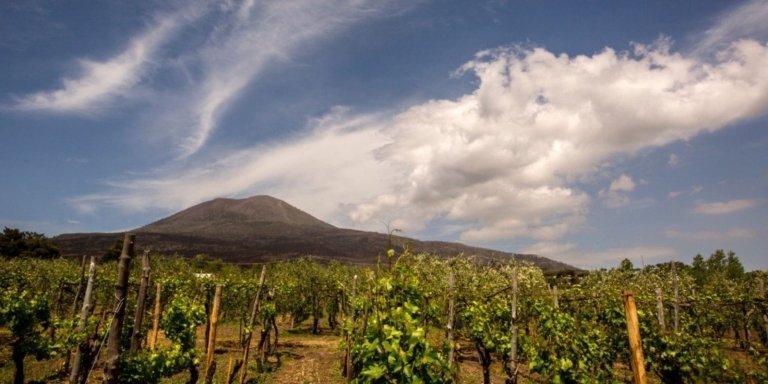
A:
{"points": [[699, 269], [27, 316], [15, 243], [733, 267], [626, 265], [113, 253]]}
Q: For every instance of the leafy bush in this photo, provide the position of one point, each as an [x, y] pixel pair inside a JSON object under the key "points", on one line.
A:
{"points": [[179, 323], [570, 350], [393, 346]]}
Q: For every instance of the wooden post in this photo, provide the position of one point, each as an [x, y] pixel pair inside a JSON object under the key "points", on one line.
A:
{"points": [[206, 291], [210, 366], [56, 310], [348, 352], [230, 369], [765, 314], [80, 284], [660, 310], [249, 330], [513, 329], [677, 298], [451, 289], [635, 345], [73, 312], [746, 313], [155, 319], [555, 297], [112, 367], [86, 310], [138, 317]]}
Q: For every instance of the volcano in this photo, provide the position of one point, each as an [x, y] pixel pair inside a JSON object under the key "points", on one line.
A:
{"points": [[262, 228]]}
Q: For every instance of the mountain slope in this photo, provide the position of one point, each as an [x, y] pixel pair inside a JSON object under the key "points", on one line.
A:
{"points": [[262, 228]]}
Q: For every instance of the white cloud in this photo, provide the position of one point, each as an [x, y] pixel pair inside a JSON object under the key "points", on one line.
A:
{"points": [[736, 233], [673, 160], [617, 194], [623, 183], [725, 207], [102, 81], [501, 158]]}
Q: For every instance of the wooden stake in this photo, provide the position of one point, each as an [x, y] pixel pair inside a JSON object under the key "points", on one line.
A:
{"points": [[348, 352], [677, 298], [155, 319], [87, 308], [73, 312], [112, 367], [209, 366], [555, 297], [80, 284], [451, 289], [635, 344], [251, 322], [138, 317], [230, 365], [765, 314], [660, 310], [513, 329]]}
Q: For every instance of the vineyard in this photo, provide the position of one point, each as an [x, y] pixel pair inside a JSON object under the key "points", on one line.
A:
{"points": [[146, 318]]}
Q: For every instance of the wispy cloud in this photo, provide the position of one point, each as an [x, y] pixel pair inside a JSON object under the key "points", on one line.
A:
{"points": [[240, 40], [100, 82], [590, 258], [548, 248], [747, 20], [725, 207], [308, 171], [736, 233], [695, 190], [249, 40], [638, 255]]}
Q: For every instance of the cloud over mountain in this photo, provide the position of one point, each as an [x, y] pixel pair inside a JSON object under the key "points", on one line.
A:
{"points": [[499, 162]]}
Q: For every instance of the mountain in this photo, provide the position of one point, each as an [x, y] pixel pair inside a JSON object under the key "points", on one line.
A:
{"points": [[263, 228]]}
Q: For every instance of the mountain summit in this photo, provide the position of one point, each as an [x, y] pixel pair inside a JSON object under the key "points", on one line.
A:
{"points": [[263, 228], [236, 219]]}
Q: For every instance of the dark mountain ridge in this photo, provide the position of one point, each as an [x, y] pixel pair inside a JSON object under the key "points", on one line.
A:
{"points": [[263, 228]]}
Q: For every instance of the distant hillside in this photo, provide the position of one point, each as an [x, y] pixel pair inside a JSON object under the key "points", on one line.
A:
{"points": [[263, 228]]}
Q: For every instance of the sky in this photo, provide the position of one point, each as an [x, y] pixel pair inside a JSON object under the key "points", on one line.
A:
{"points": [[587, 132]]}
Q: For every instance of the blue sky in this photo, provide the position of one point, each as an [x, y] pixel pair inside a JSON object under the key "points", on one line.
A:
{"points": [[583, 131]]}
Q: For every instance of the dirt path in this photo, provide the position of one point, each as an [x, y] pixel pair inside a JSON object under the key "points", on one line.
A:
{"points": [[308, 359], [315, 359]]}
